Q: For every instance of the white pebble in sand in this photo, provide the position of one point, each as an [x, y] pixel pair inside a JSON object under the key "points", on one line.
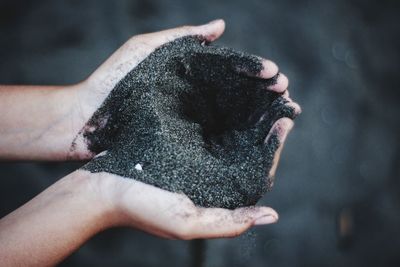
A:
{"points": [[138, 167]]}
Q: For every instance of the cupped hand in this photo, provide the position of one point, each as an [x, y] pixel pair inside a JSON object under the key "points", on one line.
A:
{"points": [[197, 119], [167, 214], [96, 88]]}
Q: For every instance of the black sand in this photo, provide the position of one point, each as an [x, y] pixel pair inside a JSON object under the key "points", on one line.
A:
{"points": [[186, 119]]}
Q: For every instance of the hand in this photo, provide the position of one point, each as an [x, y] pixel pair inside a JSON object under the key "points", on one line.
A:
{"points": [[198, 121], [163, 212], [127, 202], [48, 119], [174, 215], [93, 91], [80, 205]]}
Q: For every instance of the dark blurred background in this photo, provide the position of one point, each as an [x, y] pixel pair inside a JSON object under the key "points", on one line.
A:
{"points": [[337, 188]]}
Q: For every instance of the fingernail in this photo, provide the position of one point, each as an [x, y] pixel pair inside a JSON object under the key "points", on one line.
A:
{"points": [[267, 219], [214, 21]]}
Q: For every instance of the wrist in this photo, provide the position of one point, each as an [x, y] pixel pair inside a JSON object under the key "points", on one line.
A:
{"points": [[84, 100], [77, 95], [44, 123], [90, 192], [81, 106], [98, 192]]}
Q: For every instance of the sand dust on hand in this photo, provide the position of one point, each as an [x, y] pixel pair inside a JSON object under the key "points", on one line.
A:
{"points": [[187, 119]]}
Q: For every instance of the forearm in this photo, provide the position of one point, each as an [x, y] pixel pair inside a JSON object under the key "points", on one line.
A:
{"points": [[53, 224], [38, 122]]}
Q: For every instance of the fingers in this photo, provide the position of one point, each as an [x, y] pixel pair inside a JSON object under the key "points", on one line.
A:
{"points": [[275, 81], [280, 85], [264, 120], [268, 69], [212, 31], [216, 222], [278, 133], [289, 102]]}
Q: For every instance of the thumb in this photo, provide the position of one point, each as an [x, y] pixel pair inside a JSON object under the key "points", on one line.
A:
{"points": [[212, 30], [209, 32]]}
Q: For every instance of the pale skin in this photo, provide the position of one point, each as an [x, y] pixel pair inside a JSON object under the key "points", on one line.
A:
{"points": [[40, 123]]}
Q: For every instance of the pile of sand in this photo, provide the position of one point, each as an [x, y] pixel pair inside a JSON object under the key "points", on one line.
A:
{"points": [[186, 119]]}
